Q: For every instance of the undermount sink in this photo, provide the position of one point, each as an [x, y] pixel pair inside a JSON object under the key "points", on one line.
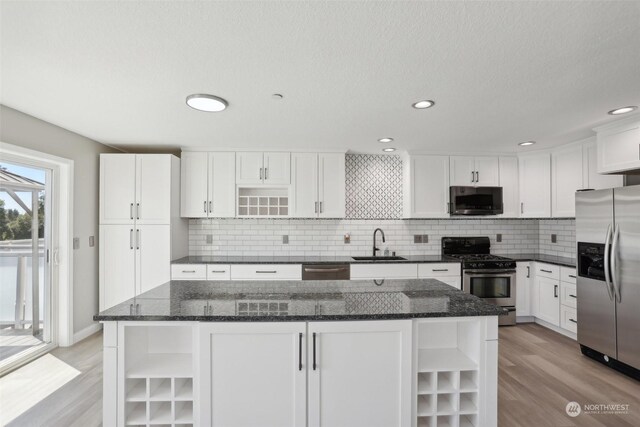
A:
{"points": [[378, 258]]}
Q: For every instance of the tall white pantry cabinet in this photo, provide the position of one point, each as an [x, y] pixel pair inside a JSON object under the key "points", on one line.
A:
{"points": [[140, 226]]}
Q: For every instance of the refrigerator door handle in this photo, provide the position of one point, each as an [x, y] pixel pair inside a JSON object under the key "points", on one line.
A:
{"points": [[607, 270], [614, 276]]}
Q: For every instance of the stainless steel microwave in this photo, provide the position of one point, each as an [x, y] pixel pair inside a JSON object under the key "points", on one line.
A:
{"points": [[475, 200]]}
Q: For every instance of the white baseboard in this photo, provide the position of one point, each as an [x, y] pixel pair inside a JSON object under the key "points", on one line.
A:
{"points": [[86, 332], [564, 332], [525, 319]]}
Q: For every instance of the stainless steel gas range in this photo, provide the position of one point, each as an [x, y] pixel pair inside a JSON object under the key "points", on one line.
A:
{"points": [[486, 276]]}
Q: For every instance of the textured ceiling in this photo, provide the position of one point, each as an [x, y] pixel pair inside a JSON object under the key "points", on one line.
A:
{"points": [[500, 72]]}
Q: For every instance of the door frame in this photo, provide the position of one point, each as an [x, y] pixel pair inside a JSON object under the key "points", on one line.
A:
{"points": [[62, 172]]}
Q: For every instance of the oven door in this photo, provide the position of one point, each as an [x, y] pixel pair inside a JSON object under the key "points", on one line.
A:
{"points": [[495, 286]]}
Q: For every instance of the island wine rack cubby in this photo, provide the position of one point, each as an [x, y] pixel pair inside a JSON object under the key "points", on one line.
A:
{"points": [[447, 383], [158, 387]]}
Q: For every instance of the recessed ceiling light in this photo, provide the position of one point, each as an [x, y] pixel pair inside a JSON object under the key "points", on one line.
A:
{"points": [[420, 105], [385, 140], [623, 110], [208, 103], [524, 144], [388, 150]]}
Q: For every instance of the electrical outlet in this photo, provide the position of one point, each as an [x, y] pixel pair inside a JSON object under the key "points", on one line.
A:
{"points": [[285, 239], [347, 239], [76, 243], [209, 239], [417, 238], [498, 238], [92, 241], [554, 238]]}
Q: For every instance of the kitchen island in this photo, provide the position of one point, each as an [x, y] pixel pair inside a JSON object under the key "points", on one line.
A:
{"points": [[290, 353]]}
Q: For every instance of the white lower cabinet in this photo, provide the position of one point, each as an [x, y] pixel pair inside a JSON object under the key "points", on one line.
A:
{"points": [[253, 374], [548, 300], [523, 289], [569, 319], [359, 373], [384, 271]]}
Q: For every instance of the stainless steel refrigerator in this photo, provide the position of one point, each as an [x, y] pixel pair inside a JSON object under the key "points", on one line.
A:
{"points": [[608, 283]]}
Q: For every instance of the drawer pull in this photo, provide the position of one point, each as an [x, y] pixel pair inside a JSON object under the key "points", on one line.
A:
{"points": [[188, 271], [218, 271], [573, 320], [555, 291], [440, 269], [266, 271], [324, 270], [572, 296], [546, 271], [572, 276]]}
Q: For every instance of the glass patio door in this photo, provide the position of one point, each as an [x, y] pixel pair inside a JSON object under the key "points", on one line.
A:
{"points": [[25, 278]]}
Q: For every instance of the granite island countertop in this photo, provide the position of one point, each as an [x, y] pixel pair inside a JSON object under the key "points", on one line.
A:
{"points": [[310, 300]]}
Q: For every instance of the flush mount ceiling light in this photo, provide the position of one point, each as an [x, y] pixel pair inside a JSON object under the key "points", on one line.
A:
{"points": [[623, 110], [388, 150], [208, 103], [421, 105], [526, 143], [385, 140]]}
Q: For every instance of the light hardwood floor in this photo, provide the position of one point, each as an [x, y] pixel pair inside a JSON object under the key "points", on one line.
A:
{"points": [[540, 371]]}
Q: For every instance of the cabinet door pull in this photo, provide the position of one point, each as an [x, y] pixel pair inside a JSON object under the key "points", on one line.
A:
{"points": [[473, 177], [210, 207], [521, 207], [528, 272], [546, 271], [138, 238], [266, 271], [555, 291], [440, 269], [321, 209], [131, 239], [260, 174], [265, 174], [573, 296], [218, 271], [205, 206], [573, 320], [137, 210], [477, 176], [572, 276], [314, 351], [188, 271], [131, 211], [300, 352]]}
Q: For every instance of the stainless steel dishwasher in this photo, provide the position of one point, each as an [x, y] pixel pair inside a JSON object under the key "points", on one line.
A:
{"points": [[326, 272]]}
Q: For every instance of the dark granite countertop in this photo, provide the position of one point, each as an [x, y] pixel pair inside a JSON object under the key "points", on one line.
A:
{"points": [[549, 259], [410, 259], [268, 301]]}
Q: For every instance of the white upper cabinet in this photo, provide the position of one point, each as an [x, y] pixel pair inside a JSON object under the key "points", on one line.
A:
{"points": [[117, 188], [153, 179], [331, 185], [249, 168], [509, 179], [535, 185], [317, 185], [619, 146], [566, 179], [277, 168], [194, 197], [592, 179], [462, 170], [426, 187], [487, 172], [222, 189], [263, 168], [208, 185], [474, 171], [304, 185]]}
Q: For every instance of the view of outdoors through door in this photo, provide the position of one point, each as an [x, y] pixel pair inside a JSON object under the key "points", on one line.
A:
{"points": [[25, 295]]}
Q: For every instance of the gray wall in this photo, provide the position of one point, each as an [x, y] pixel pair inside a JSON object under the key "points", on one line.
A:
{"points": [[29, 132]]}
